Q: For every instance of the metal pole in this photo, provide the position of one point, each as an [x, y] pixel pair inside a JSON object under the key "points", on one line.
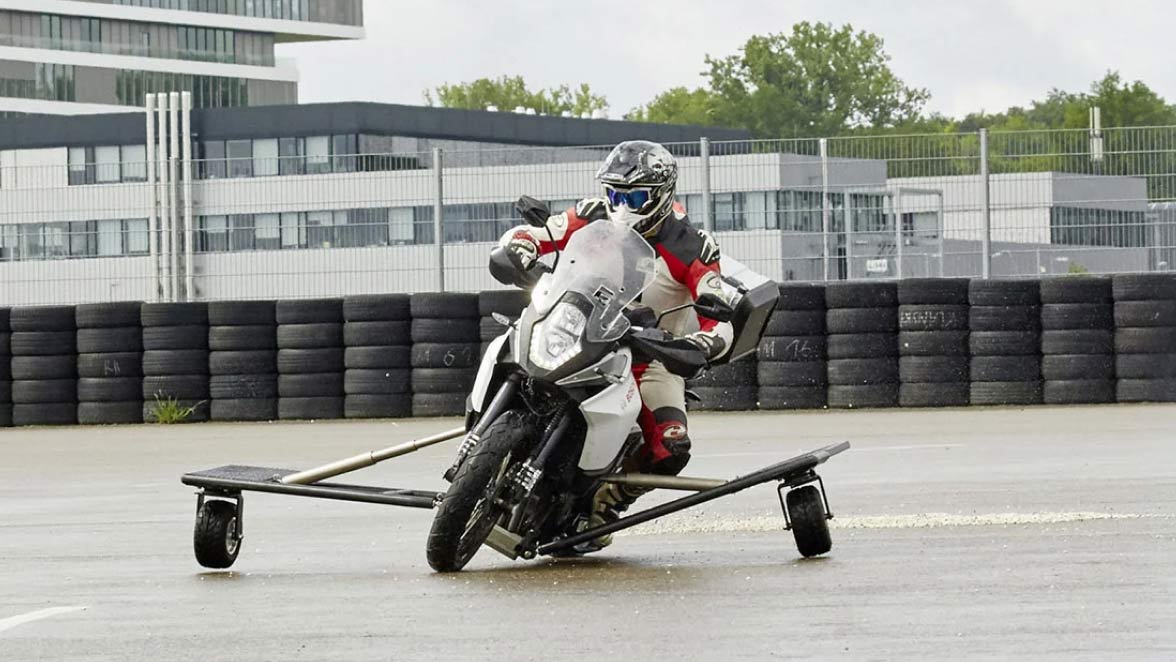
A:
{"points": [[173, 190], [896, 209], [165, 232], [824, 151], [186, 132], [985, 211], [368, 459], [664, 482], [153, 217], [708, 220], [438, 229], [941, 231]]}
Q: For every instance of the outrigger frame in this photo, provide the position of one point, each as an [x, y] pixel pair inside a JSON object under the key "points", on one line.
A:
{"points": [[231, 481]]}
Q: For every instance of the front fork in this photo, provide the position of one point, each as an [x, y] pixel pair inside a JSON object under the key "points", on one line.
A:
{"points": [[498, 404]]}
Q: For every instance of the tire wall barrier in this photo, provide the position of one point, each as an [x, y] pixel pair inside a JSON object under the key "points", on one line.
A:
{"points": [[5, 370], [911, 343]]}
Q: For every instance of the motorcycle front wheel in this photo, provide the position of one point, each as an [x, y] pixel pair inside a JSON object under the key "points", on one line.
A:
{"points": [[467, 513]]}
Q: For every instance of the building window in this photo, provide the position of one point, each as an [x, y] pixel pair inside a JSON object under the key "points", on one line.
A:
{"points": [[291, 152], [110, 238], [320, 231], [83, 239], [293, 231], [268, 232], [31, 246], [240, 156], [134, 163], [318, 155], [343, 151], [56, 240], [107, 162], [214, 236], [136, 239], [213, 163], [265, 157], [81, 165]]}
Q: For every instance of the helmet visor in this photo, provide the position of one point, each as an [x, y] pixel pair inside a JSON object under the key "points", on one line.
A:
{"points": [[635, 199]]}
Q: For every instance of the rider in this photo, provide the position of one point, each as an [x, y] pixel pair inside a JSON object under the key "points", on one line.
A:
{"points": [[639, 180]]}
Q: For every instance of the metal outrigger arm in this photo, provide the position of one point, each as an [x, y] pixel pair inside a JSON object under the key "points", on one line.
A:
{"points": [[796, 471]]}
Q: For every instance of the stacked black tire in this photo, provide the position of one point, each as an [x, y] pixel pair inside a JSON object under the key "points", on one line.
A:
{"points": [[110, 359], [504, 302], [175, 358], [310, 359], [933, 342], [727, 387], [1145, 337], [378, 348], [1077, 327], [44, 365], [5, 371], [1005, 342], [242, 361], [791, 372], [445, 352], [862, 345]]}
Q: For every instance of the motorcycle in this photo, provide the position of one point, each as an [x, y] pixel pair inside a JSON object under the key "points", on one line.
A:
{"points": [[555, 404]]}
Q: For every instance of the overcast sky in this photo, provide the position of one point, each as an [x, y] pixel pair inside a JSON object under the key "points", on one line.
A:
{"points": [[971, 55]]}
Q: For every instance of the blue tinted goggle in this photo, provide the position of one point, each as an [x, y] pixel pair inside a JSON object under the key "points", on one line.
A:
{"points": [[634, 199]]}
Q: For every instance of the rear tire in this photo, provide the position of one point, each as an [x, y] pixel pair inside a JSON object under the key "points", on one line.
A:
{"points": [[810, 527], [215, 539], [460, 526]]}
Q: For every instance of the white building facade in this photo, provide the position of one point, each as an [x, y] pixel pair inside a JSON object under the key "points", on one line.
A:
{"points": [[334, 199], [72, 57]]}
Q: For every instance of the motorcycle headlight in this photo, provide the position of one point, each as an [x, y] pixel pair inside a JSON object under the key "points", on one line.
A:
{"points": [[556, 340]]}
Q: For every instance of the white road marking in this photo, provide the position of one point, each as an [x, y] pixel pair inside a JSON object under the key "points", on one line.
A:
{"points": [[854, 450], [763, 523], [14, 621]]}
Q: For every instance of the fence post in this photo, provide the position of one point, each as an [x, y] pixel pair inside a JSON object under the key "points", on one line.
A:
{"points": [[985, 211], [824, 153], [153, 233], [708, 221], [165, 230], [438, 229], [189, 231], [896, 209]]}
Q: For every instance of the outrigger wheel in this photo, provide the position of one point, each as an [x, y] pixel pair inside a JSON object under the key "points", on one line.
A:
{"points": [[217, 536], [807, 515]]}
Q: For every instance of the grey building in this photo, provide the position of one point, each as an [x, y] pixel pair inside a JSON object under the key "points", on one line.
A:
{"points": [[87, 56]]}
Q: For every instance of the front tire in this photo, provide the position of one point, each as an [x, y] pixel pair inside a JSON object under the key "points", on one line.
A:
{"points": [[467, 514]]}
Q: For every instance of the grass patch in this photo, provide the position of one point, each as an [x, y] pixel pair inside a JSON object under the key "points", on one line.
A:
{"points": [[169, 411]]}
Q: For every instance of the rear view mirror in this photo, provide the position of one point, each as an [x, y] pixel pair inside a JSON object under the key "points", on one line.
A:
{"points": [[712, 307], [534, 212]]}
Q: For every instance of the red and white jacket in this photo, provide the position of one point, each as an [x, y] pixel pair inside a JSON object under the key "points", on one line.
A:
{"points": [[688, 267]]}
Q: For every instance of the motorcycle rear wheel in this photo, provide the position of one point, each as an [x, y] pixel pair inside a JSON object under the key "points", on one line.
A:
{"points": [[467, 513]]}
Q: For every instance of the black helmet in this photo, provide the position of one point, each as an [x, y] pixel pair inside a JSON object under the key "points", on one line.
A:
{"points": [[639, 179]]}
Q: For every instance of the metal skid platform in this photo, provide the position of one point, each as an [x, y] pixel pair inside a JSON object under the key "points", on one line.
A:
{"points": [[232, 479]]}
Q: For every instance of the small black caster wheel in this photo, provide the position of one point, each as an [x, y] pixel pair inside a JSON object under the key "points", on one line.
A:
{"points": [[810, 526], [216, 539]]}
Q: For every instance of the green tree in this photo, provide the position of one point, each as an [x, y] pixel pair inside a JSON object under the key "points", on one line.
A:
{"points": [[816, 81], [678, 105], [507, 93]]}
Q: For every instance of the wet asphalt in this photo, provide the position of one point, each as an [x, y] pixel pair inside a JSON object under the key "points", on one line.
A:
{"points": [[1036, 534]]}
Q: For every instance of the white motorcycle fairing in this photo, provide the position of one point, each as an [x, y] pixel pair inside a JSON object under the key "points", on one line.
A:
{"points": [[610, 416]]}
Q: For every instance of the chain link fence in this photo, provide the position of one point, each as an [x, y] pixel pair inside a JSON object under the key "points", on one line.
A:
{"points": [[307, 217]]}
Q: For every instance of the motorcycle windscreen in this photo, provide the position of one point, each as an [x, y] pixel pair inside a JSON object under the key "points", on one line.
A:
{"points": [[610, 265]]}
